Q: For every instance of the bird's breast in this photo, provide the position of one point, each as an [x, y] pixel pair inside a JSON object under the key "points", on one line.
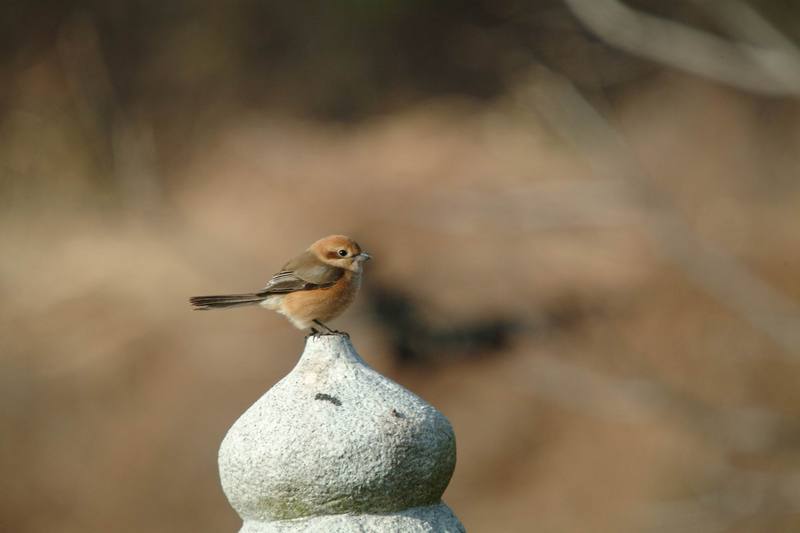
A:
{"points": [[322, 304]]}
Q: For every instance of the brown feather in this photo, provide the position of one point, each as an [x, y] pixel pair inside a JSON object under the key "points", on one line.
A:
{"points": [[304, 272], [303, 307]]}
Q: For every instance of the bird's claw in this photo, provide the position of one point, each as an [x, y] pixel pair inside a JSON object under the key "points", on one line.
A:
{"points": [[316, 333]]}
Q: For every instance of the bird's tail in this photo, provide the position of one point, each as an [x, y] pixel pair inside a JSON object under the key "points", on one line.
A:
{"points": [[224, 301]]}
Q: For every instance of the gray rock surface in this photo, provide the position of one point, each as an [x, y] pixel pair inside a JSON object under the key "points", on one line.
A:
{"points": [[335, 446], [432, 519]]}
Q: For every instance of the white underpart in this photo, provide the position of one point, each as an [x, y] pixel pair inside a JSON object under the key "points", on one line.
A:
{"points": [[272, 302]]}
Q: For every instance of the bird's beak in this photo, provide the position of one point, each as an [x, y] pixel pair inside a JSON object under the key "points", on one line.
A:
{"points": [[363, 256]]}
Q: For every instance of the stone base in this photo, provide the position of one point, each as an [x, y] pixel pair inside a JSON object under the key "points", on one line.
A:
{"points": [[431, 519]]}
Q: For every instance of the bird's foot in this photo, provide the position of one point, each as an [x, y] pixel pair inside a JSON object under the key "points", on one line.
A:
{"points": [[314, 332], [333, 332]]}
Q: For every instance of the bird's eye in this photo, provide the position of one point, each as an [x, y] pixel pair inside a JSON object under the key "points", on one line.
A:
{"points": [[343, 253]]}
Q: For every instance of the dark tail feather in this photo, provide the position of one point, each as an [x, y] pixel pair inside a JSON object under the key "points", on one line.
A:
{"points": [[224, 301]]}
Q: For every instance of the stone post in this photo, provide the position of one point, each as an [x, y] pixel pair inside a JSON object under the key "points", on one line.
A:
{"points": [[336, 447]]}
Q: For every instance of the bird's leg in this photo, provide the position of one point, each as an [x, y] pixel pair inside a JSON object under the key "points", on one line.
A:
{"points": [[319, 323], [335, 331], [314, 331]]}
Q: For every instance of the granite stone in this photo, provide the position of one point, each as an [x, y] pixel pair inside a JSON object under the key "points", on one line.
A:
{"points": [[336, 446]]}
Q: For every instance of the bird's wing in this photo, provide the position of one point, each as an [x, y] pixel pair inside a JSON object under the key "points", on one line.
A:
{"points": [[303, 273]]}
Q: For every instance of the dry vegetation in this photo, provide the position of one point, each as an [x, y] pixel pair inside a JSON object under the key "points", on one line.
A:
{"points": [[630, 397]]}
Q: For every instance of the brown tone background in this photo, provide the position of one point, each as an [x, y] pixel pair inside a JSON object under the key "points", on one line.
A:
{"points": [[587, 258]]}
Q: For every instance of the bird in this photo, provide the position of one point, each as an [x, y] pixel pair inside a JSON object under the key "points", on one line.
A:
{"points": [[310, 290]]}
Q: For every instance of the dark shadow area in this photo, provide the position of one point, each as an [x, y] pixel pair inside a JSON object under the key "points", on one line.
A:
{"points": [[415, 340]]}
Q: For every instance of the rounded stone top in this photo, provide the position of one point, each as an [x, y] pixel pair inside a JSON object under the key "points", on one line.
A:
{"points": [[335, 437]]}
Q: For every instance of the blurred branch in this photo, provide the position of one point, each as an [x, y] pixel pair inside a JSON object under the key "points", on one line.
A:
{"points": [[771, 66], [744, 22], [712, 269]]}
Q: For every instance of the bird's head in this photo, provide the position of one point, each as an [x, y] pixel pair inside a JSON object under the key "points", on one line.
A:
{"points": [[340, 251]]}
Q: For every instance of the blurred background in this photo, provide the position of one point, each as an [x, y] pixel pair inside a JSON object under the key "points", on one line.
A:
{"points": [[584, 217]]}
